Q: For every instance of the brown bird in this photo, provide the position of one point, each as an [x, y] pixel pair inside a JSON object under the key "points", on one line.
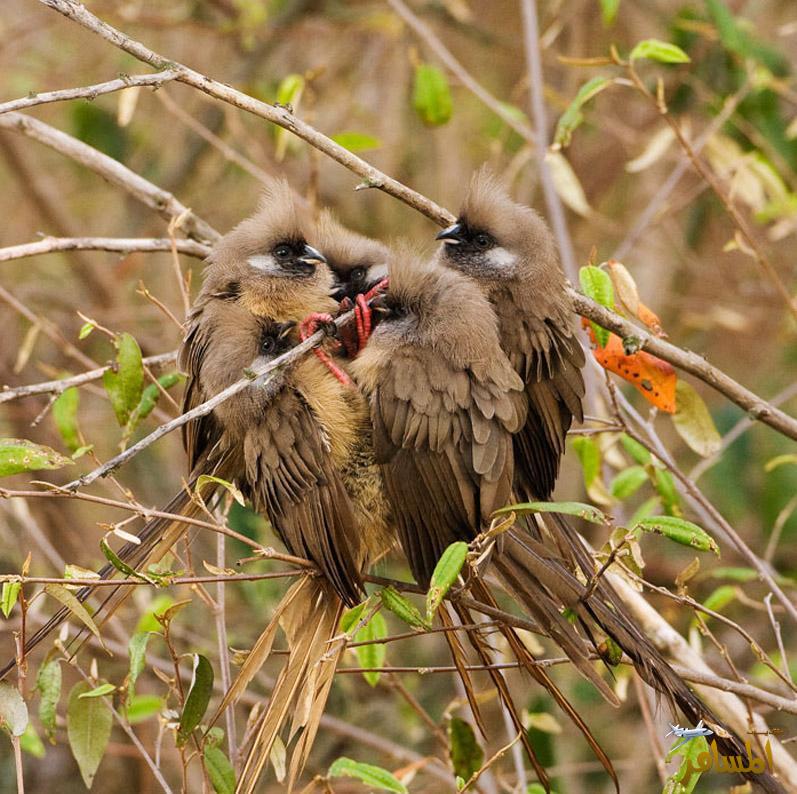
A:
{"points": [[445, 404], [508, 250]]}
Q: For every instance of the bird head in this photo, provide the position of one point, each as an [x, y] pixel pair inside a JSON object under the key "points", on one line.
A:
{"points": [[358, 263], [495, 238], [266, 262]]}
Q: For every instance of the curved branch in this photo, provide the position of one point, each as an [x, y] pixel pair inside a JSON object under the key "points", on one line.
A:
{"points": [[119, 245], [690, 362], [163, 202], [89, 91]]}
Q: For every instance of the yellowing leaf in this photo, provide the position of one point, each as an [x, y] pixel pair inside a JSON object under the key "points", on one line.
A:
{"points": [[74, 606], [624, 286], [204, 479], [693, 421], [13, 711], [567, 184]]}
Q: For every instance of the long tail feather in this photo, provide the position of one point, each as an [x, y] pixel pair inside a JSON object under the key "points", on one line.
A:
{"points": [[310, 622]]}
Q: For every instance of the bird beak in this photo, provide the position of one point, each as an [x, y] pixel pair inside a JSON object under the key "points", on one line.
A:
{"points": [[286, 328], [378, 306], [452, 235], [312, 256]]}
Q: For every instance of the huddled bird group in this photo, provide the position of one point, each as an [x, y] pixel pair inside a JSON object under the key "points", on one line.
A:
{"points": [[451, 398]]}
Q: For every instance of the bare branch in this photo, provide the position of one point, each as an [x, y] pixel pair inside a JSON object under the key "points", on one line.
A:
{"points": [[58, 386], [689, 362], [280, 116], [121, 245], [163, 202], [89, 91]]}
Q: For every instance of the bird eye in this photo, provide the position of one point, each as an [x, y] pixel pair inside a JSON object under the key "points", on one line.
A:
{"points": [[358, 274], [282, 251], [482, 241], [268, 345]]}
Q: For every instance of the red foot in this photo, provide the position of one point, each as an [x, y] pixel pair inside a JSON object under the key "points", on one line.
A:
{"points": [[363, 314], [348, 335], [307, 328]]}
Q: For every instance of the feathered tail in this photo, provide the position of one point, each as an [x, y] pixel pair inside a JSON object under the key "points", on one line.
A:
{"points": [[309, 614], [542, 584]]}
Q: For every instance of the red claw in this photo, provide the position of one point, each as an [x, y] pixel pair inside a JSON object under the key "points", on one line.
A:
{"points": [[307, 328], [363, 314]]}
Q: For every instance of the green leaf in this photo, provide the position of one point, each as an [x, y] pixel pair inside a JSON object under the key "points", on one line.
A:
{"points": [[693, 421], [149, 399], [664, 483], [609, 10], [628, 482], [679, 530], [290, 90], [371, 775], [737, 40], [589, 455], [137, 651], [684, 780], [610, 652], [8, 596], [121, 565], [86, 329], [64, 411], [445, 574], [402, 608], [661, 51], [13, 711], [88, 728], [780, 460], [48, 682], [577, 509], [74, 606], [31, 743], [465, 752], [373, 654], [431, 95], [142, 707], [219, 769], [572, 118], [720, 598], [196, 702], [351, 617], [204, 479], [125, 382], [18, 455], [596, 284], [635, 449], [148, 621], [99, 691], [357, 141]]}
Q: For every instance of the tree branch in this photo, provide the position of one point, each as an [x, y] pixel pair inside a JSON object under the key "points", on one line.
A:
{"points": [[163, 202], [121, 245], [89, 91]]}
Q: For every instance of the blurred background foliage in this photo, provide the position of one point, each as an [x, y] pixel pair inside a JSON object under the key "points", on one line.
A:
{"points": [[356, 72]]}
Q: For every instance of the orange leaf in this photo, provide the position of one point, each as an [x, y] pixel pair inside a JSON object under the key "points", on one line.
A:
{"points": [[653, 378], [650, 318]]}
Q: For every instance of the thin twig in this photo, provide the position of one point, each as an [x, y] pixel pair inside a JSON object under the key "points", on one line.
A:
{"points": [[163, 202], [119, 245], [556, 213], [90, 91]]}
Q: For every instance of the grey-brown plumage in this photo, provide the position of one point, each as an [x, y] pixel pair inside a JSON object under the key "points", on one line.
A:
{"points": [[508, 250], [445, 404], [357, 262]]}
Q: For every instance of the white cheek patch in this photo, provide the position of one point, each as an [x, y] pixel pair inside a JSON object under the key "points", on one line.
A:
{"points": [[263, 262], [500, 258], [376, 273]]}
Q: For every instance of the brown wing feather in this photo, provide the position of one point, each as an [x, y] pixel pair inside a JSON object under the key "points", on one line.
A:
{"points": [[443, 437], [291, 478]]}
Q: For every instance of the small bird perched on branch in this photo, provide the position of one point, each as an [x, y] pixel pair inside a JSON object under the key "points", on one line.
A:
{"points": [[446, 404]]}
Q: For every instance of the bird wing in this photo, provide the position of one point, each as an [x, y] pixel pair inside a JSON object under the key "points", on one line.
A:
{"points": [[443, 437], [549, 359], [290, 476]]}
